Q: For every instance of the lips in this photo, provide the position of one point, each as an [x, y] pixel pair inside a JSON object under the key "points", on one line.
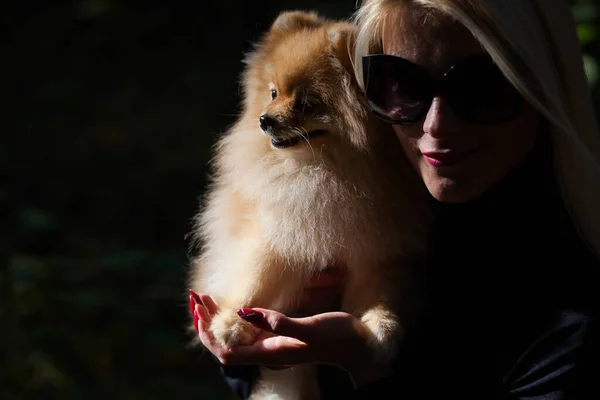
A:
{"points": [[446, 158]]}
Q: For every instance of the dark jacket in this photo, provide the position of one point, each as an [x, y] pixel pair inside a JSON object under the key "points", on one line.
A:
{"points": [[511, 304]]}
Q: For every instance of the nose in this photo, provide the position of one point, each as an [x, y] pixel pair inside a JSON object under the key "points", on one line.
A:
{"points": [[267, 122], [441, 120]]}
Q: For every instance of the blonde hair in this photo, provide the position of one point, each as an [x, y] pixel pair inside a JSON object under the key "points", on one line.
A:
{"points": [[534, 43]]}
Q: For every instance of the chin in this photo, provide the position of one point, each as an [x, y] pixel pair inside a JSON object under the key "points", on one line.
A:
{"points": [[447, 190], [450, 198]]}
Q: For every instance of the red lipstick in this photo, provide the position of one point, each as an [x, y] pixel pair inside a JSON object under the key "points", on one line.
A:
{"points": [[444, 159]]}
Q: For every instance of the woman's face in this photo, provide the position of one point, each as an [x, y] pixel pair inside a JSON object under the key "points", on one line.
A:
{"points": [[457, 160]]}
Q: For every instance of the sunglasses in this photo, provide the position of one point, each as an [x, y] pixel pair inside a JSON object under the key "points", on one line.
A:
{"points": [[401, 92]]}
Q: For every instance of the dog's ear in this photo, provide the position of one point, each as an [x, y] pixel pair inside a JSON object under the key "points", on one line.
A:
{"points": [[342, 36], [295, 20]]}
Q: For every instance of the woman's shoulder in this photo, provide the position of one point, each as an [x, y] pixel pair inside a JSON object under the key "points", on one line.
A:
{"points": [[560, 359], [557, 363]]}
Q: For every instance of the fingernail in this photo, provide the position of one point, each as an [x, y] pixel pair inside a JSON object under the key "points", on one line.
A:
{"points": [[250, 315], [192, 304], [196, 318], [195, 297]]}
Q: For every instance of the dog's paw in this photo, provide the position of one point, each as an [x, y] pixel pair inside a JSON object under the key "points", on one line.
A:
{"points": [[385, 332], [230, 330]]}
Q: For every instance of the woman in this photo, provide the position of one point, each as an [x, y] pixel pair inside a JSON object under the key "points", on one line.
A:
{"points": [[506, 143]]}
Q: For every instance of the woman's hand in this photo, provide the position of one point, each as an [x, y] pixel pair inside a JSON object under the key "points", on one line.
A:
{"points": [[333, 338]]}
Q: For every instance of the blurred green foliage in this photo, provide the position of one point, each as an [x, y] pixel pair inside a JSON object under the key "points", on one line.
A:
{"points": [[112, 109], [587, 15]]}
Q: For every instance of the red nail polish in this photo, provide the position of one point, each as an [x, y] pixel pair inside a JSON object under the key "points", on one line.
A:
{"points": [[196, 318], [192, 304], [195, 297], [250, 315]]}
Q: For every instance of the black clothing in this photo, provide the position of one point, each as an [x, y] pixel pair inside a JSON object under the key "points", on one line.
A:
{"points": [[511, 304]]}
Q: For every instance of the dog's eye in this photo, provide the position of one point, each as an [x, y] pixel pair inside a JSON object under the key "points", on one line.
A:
{"points": [[273, 94]]}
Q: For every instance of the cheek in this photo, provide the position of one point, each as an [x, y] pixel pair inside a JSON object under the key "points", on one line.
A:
{"points": [[516, 139], [409, 136], [510, 146], [502, 148]]}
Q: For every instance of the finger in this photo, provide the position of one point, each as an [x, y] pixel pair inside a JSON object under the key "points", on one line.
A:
{"points": [[204, 333], [224, 355], [275, 322], [192, 304], [209, 303], [277, 352], [195, 297], [204, 317]]}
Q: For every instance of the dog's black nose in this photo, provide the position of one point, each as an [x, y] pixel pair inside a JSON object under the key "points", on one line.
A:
{"points": [[267, 122]]}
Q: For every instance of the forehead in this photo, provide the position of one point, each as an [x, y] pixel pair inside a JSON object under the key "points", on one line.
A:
{"points": [[427, 38]]}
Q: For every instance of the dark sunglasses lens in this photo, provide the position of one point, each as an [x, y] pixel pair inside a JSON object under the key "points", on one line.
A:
{"points": [[395, 89], [480, 93]]}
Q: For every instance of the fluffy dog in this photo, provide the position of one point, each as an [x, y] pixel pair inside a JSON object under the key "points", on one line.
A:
{"points": [[308, 178]]}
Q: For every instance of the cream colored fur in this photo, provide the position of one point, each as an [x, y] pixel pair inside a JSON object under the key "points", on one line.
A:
{"points": [[273, 217]]}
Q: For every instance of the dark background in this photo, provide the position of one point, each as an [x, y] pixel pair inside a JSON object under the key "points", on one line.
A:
{"points": [[109, 112]]}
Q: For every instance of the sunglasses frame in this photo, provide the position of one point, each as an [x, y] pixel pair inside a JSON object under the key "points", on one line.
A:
{"points": [[435, 89]]}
